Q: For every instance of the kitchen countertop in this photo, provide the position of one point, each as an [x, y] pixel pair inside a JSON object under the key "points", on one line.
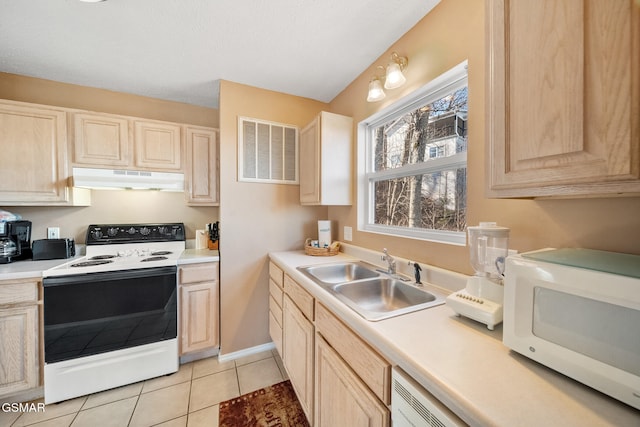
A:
{"points": [[27, 269], [194, 256], [467, 367]]}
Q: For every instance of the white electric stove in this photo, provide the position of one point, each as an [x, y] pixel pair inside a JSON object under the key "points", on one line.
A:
{"points": [[110, 317]]}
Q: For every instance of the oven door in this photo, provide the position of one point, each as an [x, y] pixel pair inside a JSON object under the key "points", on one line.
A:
{"points": [[99, 312]]}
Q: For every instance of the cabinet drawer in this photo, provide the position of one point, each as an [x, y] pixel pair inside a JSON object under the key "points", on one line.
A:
{"points": [[299, 296], [276, 274], [275, 310], [275, 331], [199, 273], [18, 292], [372, 368], [276, 292]]}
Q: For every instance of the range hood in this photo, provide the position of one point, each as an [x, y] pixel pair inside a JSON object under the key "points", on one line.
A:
{"points": [[110, 179]]}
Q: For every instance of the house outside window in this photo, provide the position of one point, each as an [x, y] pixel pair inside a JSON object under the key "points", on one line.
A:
{"points": [[413, 163]]}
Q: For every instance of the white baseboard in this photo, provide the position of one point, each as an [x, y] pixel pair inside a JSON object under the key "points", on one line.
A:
{"points": [[203, 354], [246, 352]]}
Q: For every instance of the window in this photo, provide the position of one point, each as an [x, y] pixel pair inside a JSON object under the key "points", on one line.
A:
{"points": [[413, 163]]}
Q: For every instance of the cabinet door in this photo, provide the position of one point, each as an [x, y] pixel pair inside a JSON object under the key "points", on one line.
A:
{"points": [[563, 97], [158, 145], [202, 166], [199, 316], [342, 399], [101, 140], [33, 163], [19, 349], [297, 353], [310, 163]]}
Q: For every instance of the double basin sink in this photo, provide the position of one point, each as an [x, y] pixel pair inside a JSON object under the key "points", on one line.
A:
{"points": [[370, 292]]}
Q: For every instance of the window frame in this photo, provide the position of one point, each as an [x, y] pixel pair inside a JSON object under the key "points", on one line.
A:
{"points": [[446, 83]]}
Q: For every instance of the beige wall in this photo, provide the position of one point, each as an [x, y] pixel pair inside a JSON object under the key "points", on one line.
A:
{"points": [[451, 33], [116, 207], [110, 206], [255, 218], [40, 91]]}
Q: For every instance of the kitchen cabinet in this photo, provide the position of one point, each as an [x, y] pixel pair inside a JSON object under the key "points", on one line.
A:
{"points": [[101, 140], [564, 121], [34, 161], [326, 160], [276, 295], [372, 369], [341, 397], [158, 145], [20, 356], [298, 343], [121, 142], [201, 171], [199, 313]]}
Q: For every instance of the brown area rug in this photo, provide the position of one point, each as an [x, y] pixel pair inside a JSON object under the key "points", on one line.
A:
{"points": [[273, 406]]}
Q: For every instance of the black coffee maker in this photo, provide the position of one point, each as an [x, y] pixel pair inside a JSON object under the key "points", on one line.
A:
{"points": [[15, 241]]}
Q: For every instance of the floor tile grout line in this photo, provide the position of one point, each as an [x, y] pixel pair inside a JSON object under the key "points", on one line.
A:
{"points": [[139, 394]]}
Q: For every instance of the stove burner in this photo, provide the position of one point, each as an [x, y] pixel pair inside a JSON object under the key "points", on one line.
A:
{"points": [[154, 258], [91, 263], [98, 257], [161, 253]]}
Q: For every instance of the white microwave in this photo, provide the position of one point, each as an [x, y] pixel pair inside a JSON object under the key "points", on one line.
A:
{"points": [[577, 311]]}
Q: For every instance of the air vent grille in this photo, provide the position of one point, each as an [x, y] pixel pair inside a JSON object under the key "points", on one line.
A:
{"points": [[267, 151]]}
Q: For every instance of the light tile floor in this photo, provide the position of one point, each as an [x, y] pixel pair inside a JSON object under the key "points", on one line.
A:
{"points": [[188, 398]]}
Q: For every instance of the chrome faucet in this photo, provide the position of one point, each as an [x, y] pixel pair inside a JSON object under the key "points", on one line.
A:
{"points": [[391, 262]]}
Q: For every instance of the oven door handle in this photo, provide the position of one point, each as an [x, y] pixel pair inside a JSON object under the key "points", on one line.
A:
{"points": [[108, 275]]}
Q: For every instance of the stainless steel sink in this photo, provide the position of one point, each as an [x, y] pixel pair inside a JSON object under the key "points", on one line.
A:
{"points": [[370, 293], [381, 298], [338, 273]]}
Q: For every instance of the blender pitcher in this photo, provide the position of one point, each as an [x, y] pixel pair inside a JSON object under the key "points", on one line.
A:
{"points": [[482, 298]]}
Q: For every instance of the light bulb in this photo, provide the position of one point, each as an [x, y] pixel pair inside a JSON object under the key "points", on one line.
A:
{"points": [[376, 93]]}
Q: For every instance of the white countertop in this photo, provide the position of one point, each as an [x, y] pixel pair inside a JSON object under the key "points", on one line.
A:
{"points": [[27, 269], [467, 367], [194, 256]]}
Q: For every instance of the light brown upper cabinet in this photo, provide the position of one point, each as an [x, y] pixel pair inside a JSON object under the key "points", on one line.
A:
{"points": [[111, 141], [563, 98], [326, 160], [201, 174], [158, 145], [33, 164], [101, 140]]}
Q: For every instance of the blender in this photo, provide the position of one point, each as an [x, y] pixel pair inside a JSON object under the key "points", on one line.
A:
{"points": [[482, 298]]}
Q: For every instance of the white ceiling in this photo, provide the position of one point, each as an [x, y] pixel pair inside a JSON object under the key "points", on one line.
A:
{"points": [[179, 49]]}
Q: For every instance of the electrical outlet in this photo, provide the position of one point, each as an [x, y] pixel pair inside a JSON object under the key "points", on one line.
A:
{"points": [[348, 233], [53, 232]]}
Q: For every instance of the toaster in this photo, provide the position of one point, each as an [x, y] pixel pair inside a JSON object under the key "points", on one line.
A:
{"points": [[53, 249]]}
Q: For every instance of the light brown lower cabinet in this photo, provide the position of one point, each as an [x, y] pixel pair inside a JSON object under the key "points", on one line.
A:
{"points": [[199, 323], [342, 399], [297, 353], [19, 337]]}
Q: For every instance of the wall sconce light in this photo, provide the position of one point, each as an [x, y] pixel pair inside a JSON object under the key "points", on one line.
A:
{"points": [[376, 93], [393, 78]]}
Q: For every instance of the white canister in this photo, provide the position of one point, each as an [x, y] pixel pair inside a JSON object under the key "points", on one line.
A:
{"points": [[324, 233]]}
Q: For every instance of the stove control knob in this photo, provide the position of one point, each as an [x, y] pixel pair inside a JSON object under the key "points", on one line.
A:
{"points": [[162, 229], [145, 231], [97, 234], [112, 231], [131, 231]]}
